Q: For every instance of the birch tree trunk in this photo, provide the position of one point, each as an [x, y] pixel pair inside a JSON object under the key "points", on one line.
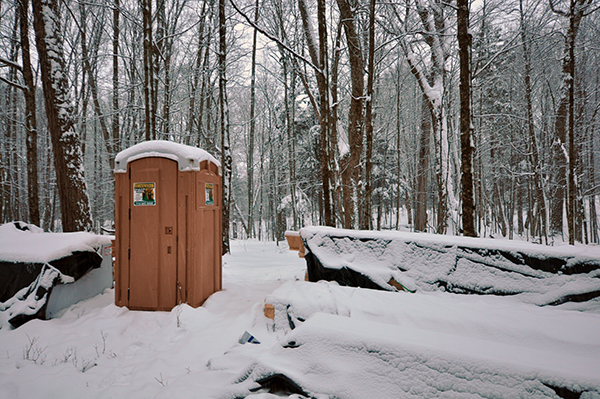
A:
{"points": [[224, 126], [250, 159], [66, 146]]}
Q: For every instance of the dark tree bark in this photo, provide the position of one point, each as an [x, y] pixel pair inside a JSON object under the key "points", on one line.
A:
{"points": [[116, 124], [564, 126], [464, 43], [351, 161], [367, 203], [423, 168], [91, 80], [149, 110], [533, 149], [320, 61], [30, 117], [66, 146], [195, 82]]}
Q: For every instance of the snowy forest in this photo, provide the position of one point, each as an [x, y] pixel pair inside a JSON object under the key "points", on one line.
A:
{"points": [[344, 113]]}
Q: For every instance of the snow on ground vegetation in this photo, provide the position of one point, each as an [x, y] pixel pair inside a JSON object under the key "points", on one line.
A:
{"points": [[345, 343]]}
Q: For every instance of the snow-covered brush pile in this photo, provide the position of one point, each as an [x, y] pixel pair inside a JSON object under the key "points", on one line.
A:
{"points": [[33, 263], [536, 274]]}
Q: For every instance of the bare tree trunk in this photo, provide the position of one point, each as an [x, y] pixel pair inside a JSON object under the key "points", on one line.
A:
{"points": [[148, 70], [251, 134], [320, 60], [351, 161], [195, 82], [533, 150], [369, 129], [68, 159], [30, 117], [564, 125], [224, 126], [116, 124], [93, 87], [464, 43], [288, 99], [398, 129], [423, 168], [571, 201], [432, 82]]}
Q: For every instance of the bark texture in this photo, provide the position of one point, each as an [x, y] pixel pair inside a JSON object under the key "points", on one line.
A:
{"points": [[66, 145]]}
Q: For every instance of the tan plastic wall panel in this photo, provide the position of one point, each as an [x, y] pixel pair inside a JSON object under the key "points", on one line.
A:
{"points": [[121, 243], [169, 252], [205, 271]]}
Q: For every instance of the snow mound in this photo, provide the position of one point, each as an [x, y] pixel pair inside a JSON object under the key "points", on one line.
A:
{"points": [[20, 242], [538, 274], [33, 263], [347, 358], [187, 157]]}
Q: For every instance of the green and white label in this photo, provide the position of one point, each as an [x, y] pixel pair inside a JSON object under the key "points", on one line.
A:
{"points": [[144, 194], [209, 195]]}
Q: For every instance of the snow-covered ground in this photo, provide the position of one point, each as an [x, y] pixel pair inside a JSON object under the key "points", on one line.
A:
{"points": [[347, 343]]}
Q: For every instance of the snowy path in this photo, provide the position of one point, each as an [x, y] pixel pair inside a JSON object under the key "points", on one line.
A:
{"points": [[97, 350]]}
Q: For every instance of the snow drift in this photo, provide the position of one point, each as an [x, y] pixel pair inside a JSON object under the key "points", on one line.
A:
{"points": [[33, 263], [537, 274]]}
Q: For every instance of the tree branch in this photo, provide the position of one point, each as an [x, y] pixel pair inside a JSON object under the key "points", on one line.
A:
{"points": [[273, 38], [11, 64], [14, 84]]}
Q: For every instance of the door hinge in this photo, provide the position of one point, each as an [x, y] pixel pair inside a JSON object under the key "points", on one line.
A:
{"points": [[128, 294], [129, 253], [129, 213]]}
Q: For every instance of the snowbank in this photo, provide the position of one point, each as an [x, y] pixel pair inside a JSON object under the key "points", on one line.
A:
{"points": [[334, 356], [21, 242], [538, 274], [187, 157], [33, 263]]}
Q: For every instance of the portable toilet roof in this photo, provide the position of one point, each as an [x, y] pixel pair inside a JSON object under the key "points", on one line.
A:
{"points": [[187, 157]]}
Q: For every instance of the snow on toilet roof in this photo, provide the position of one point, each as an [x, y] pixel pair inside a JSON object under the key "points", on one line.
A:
{"points": [[187, 157]]}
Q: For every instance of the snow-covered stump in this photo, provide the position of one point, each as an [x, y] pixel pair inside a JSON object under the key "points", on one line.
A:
{"points": [[378, 260], [34, 265]]}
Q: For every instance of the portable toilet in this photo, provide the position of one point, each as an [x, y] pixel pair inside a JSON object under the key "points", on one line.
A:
{"points": [[168, 226]]}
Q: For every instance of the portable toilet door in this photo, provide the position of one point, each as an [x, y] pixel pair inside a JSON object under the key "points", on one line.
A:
{"points": [[152, 242]]}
